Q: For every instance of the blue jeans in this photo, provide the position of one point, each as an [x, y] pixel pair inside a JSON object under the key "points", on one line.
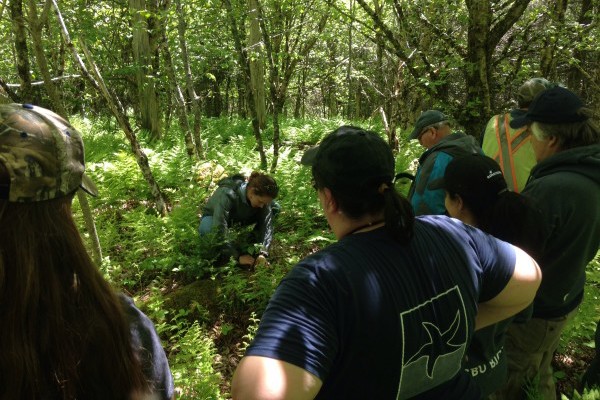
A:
{"points": [[205, 225]]}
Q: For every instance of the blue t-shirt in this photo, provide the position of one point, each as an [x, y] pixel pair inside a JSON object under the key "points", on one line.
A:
{"points": [[374, 319], [146, 344]]}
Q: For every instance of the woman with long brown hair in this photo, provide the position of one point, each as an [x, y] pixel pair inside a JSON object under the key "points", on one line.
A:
{"points": [[65, 333], [245, 202]]}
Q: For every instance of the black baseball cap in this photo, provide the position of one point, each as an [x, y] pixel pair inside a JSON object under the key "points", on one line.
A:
{"points": [[556, 105], [474, 175], [350, 158], [427, 118]]}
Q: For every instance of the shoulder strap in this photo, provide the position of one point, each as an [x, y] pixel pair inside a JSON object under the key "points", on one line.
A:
{"points": [[232, 182]]}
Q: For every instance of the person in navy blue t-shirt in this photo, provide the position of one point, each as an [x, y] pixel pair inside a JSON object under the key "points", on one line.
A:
{"points": [[389, 310]]}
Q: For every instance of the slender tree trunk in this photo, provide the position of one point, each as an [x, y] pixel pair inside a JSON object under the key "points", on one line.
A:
{"points": [[88, 218], [257, 68], [477, 69], [280, 75], [11, 94], [350, 105], [575, 75], [180, 108], [243, 96], [117, 109], [548, 61], [22, 52], [142, 54], [299, 107], [245, 85], [35, 27], [189, 82]]}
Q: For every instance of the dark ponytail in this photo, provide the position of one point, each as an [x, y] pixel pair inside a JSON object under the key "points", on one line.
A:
{"points": [[398, 214], [372, 198]]}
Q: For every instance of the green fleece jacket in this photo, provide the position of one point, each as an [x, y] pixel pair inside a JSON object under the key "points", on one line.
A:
{"points": [[229, 205], [567, 188]]}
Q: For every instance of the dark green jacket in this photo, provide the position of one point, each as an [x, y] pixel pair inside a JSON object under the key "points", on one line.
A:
{"points": [[567, 189], [229, 205]]}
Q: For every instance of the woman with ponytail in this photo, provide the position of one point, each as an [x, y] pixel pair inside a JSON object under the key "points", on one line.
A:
{"points": [[374, 316]]}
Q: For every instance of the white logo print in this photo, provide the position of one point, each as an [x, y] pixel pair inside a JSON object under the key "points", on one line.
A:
{"points": [[433, 353]]}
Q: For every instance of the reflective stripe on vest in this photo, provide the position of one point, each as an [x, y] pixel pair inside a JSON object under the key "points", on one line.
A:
{"points": [[507, 146]]}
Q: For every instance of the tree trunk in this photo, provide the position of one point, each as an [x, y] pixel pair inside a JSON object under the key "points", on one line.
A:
{"points": [[180, 108], [189, 82], [22, 52], [117, 110], [299, 106], [35, 27], [280, 75], [575, 75], [246, 84], [349, 103], [548, 62], [142, 54], [88, 218], [257, 68], [478, 104]]}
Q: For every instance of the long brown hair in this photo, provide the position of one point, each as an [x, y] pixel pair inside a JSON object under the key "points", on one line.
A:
{"points": [[263, 184], [64, 333]]}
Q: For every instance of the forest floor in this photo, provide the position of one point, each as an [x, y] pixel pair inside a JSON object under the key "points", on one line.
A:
{"points": [[571, 362]]}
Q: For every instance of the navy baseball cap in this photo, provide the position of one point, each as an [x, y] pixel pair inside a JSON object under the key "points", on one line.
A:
{"points": [[556, 105]]}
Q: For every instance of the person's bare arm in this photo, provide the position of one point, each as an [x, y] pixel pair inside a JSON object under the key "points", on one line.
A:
{"points": [[270, 379], [516, 295]]}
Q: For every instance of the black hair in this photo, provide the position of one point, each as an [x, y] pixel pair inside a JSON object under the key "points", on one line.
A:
{"points": [[376, 196], [509, 216]]}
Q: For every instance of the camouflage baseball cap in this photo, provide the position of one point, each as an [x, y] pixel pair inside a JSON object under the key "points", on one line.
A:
{"points": [[530, 89], [42, 153]]}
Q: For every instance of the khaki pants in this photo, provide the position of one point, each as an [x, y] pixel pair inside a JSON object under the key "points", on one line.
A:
{"points": [[529, 348]]}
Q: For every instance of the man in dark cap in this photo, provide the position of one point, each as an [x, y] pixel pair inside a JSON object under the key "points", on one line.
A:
{"points": [[432, 129], [509, 146], [373, 316], [566, 185]]}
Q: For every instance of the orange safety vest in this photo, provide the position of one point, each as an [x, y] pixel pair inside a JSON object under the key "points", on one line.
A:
{"points": [[511, 149]]}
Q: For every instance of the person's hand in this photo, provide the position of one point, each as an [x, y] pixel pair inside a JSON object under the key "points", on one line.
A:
{"points": [[246, 259], [261, 260]]}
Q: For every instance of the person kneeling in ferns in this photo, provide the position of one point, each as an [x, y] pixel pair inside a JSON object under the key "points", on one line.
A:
{"points": [[246, 202]]}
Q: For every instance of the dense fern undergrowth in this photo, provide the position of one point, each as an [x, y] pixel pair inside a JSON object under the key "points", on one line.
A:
{"points": [[206, 315]]}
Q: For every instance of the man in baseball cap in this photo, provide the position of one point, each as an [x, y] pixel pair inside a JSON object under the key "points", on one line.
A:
{"points": [[432, 129], [566, 185], [427, 119]]}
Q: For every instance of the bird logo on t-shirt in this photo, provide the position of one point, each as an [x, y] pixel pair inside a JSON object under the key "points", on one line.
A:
{"points": [[435, 336]]}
